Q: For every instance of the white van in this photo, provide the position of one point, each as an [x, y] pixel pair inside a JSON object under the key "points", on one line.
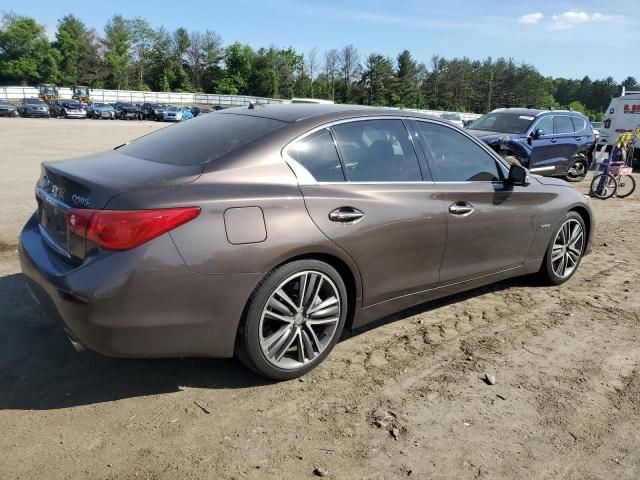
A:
{"points": [[623, 115]]}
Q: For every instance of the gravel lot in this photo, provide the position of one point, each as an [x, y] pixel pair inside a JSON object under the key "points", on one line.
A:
{"points": [[404, 400]]}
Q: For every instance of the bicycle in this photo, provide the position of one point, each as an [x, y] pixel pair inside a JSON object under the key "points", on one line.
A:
{"points": [[616, 178]]}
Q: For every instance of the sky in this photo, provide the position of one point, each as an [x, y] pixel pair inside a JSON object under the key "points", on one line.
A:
{"points": [[562, 38]]}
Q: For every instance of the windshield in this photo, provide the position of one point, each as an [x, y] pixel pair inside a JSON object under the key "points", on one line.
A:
{"points": [[200, 140], [100, 105], [34, 101], [128, 105], [172, 109], [502, 122], [450, 116]]}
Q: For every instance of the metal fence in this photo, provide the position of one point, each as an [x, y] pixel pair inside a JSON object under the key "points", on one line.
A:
{"points": [[135, 96]]}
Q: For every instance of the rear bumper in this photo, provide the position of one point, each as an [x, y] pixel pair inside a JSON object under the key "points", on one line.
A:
{"points": [[140, 303]]}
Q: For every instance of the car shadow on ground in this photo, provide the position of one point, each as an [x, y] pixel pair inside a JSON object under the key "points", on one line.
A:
{"points": [[39, 370]]}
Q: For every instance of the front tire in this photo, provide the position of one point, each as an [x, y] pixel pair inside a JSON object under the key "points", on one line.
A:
{"points": [[565, 250], [626, 186], [292, 320]]}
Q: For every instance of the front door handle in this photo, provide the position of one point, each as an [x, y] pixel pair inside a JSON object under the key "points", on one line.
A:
{"points": [[346, 215], [578, 138], [554, 140], [461, 209]]}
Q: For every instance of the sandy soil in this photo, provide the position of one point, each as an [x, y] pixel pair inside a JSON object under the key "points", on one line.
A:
{"points": [[405, 399]]}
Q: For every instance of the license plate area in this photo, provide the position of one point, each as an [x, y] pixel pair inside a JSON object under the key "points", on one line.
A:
{"points": [[52, 221]]}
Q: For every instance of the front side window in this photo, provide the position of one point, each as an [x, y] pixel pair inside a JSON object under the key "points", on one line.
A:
{"points": [[317, 153], [545, 124], [377, 151], [455, 158], [563, 124]]}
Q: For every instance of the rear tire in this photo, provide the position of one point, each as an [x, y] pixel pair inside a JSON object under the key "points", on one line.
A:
{"points": [[281, 342], [578, 169], [565, 250]]}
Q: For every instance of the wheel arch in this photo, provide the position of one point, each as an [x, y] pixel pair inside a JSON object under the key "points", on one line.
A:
{"points": [[586, 218]]}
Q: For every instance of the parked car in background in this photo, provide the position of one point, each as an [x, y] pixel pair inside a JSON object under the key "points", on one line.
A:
{"points": [[7, 109], [67, 109], [264, 232], [127, 111], [99, 110], [177, 114], [152, 111], [453, 118], [547, 142], [32, 107], [195, 111]]}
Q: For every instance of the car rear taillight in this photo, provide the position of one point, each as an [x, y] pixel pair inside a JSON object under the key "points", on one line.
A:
{"points": [[126, 229]]}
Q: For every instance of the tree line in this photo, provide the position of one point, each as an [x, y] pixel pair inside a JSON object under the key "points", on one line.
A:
{"points": [[131, 54]]}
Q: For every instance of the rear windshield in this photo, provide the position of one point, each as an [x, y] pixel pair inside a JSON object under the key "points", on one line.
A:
{"points": [[201, 139]]}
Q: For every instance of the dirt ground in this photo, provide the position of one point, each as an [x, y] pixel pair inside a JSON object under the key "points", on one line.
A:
{"points": [[403, 400]]}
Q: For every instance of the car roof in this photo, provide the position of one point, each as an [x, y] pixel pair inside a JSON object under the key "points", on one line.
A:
{"points": [[534, 112], [295, 112]]}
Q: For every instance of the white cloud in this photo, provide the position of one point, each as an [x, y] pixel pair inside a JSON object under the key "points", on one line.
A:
{"points": [[572, 18], [531, 18]]}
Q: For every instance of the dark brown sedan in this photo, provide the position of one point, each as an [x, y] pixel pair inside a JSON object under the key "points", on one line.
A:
{"points": [[264, 231]]}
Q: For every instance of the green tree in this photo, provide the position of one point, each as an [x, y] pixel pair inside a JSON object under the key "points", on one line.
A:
{"points": [[408, 82], [380, 81], [238, 63], [117, 43], [26, 56]]}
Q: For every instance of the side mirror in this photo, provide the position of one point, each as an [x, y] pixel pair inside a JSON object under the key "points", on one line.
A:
{"points": [[539, 132], [519, 176]]}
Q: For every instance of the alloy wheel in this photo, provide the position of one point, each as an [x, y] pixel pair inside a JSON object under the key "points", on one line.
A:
{"points": [[299, 320], [567, 248]]}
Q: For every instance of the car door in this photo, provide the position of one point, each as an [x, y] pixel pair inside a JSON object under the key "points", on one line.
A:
{"points": [[545, 154], [566, 142], [367, 191], [490, 224]]}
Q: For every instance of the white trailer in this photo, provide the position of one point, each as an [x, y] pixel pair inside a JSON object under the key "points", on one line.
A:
{"points": [[623, 115]]}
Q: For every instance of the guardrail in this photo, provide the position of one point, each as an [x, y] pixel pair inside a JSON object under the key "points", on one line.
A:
{"points": [[136, 96]]}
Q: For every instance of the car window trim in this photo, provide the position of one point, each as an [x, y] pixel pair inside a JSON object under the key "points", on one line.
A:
{"points": [[502, 167], [306, 178]]}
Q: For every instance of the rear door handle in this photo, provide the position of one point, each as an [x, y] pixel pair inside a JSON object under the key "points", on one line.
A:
{"points": [[578, 138], [461, 209], [554, 140], [346, 215]]}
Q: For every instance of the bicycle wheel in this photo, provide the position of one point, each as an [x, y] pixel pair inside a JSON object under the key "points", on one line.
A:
{"points": [[626, 186], [604, 186]]}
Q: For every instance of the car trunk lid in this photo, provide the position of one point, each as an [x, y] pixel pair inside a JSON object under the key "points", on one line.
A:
{"points": [[90, 183]]}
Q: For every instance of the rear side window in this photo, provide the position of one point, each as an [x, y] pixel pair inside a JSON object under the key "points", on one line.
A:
{"points": [[563, 124], [578, 124], [201, 140], [317, 153], [455, 158], [377, 151]]}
